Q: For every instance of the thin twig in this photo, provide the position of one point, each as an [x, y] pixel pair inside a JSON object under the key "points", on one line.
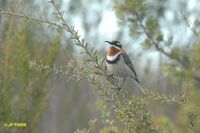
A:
{"points": [[159, 48], [29, 18], [91, 53]]}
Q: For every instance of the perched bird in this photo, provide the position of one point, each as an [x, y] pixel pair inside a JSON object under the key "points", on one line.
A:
{"points": [[119, 64]]}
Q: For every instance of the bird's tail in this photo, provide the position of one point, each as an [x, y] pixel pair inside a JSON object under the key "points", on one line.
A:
{"points": [[140, 84]]}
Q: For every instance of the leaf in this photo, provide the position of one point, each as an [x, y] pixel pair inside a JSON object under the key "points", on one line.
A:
{"points": [[98, 73], [151, 23], [82, 52], [147, 43], [96, 58], [89, 60], [159, 37], [98, 67]]}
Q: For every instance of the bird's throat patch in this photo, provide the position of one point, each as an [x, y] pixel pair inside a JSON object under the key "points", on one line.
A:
{"points": [[113, 51]]}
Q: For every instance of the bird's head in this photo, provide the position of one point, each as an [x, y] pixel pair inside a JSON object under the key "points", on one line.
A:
{"points": [[115, 44], [115, 48]]}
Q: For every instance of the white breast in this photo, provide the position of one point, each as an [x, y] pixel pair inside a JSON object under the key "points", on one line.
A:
{"points": [[112, 58], [120, 68]]}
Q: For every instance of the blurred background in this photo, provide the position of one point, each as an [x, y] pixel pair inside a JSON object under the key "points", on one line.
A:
{"points": [[51, 103]]}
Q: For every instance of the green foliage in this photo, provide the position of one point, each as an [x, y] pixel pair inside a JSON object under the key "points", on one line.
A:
{"points": [[183, 67], [135, 116], [130, 113], [23, 92]]}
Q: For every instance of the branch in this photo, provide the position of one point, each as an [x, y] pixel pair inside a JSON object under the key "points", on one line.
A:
{"points": [[92, 56], [191, 28], [20, 15], [149, 94], [158, 48]]}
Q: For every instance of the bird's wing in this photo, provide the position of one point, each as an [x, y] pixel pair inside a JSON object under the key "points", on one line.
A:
{"points": [[129, 63]]}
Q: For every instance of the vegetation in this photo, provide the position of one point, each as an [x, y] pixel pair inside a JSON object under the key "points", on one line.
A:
{"points": [[24, 74], [23, 92]]}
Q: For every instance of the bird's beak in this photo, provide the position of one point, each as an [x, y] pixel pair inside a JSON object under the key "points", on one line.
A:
{"points": [[108, 42]]}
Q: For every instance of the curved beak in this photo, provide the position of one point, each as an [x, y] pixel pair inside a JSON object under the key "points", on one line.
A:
{"points": [[108, 42]]}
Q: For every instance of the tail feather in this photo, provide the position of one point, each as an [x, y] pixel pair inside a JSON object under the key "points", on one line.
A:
{"points": [[140, 84]]}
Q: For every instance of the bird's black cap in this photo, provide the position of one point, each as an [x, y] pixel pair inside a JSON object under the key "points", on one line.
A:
{"points": [[115, 43]]}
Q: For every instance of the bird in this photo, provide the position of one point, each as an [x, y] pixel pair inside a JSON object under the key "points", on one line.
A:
{"points": [[119, 64]]}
